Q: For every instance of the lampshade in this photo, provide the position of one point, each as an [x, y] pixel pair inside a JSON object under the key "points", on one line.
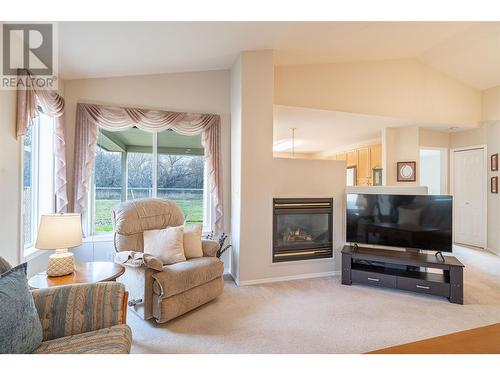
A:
{"points": [[59, 231]]}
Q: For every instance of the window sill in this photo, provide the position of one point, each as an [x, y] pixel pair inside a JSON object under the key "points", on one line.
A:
{"points": [[31, 253], [108, 237]]}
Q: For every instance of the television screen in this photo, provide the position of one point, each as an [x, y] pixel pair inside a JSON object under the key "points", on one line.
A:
{"points": [[410, 221]]}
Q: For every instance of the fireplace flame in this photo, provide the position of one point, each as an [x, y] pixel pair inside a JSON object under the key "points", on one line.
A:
{"points": [[296, 235]]}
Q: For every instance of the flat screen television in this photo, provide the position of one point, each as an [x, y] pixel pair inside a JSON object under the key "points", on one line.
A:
{"points": [[421, 222]]}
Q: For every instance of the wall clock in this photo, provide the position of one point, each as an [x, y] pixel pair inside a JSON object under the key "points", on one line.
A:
{"points": [[407, 171]]}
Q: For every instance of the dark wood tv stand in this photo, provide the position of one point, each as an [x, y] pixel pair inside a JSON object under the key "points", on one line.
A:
{"points": [[400, 270]]}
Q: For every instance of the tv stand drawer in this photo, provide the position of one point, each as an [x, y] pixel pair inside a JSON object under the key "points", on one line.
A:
{"points": [[423, 286], [373, 278]]}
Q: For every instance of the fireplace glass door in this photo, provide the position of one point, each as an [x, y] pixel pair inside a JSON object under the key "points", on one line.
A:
{"points": [[302, 230]]}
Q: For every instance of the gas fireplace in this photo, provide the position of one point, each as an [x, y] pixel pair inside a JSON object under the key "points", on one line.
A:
{"points": [[302, 228]]}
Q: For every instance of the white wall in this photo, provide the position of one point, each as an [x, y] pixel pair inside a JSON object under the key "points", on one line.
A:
{"points": [[10, 179], [430, 170], [236, 151]]}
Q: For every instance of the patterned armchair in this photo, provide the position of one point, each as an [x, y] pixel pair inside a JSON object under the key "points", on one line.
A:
{"points": [[83, 318]]}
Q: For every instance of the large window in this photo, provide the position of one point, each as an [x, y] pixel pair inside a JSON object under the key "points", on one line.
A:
{"points": [[38, 177], [181, 174], [136, 164]]}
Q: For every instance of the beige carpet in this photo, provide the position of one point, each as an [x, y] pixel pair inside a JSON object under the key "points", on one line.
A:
{"points": [[322, 316]]}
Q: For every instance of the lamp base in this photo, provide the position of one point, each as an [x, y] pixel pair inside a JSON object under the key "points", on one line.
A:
{"points": [[61, 263]]}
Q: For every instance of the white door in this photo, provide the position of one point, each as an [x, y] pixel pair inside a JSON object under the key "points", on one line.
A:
{"points": [[469, 187]]}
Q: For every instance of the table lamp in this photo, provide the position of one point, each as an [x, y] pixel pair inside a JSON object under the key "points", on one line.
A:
{"points": [[58, 232]]}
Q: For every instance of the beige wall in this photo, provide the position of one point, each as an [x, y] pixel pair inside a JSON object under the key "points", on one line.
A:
{"points": [[396, 88], [292, 177], [261, 177], [472, 137], [192, 92], [399, 144], [433, 138], [298, 155], [491, 104], [256, 160], [493, 231], [197, 92], [10, 179]]}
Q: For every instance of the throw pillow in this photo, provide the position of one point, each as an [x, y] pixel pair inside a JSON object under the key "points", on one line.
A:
{"points": [[192, 241], [4, 265], [19, 322], [165, 244]]}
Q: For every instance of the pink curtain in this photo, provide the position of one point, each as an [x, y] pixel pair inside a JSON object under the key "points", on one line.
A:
{"points": [[91, 117], [29, 100]]}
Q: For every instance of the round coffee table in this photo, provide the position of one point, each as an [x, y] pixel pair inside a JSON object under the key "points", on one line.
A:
{"points": [[89, 272]]}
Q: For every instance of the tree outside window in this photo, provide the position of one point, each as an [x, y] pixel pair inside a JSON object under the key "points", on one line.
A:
{"points": [[125, 169]]}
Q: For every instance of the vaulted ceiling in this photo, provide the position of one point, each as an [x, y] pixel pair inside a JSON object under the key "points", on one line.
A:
{"points": [[467, 51]]}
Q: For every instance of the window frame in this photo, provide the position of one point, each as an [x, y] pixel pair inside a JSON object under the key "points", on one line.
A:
{"points": [[38, 151], [89, 220], [34, 185]]}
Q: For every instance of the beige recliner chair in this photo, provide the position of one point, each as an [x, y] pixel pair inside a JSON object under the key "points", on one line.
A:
{"points": [[155, 290]]}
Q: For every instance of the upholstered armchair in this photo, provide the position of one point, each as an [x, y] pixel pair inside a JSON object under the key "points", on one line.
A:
{"points": [[83, 318], [159, 291]]}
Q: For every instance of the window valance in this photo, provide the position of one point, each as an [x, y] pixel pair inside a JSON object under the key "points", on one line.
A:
{"points": [[91, 117]]}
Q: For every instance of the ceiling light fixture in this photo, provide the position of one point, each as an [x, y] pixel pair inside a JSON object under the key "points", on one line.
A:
{"points": [[287, 144]]}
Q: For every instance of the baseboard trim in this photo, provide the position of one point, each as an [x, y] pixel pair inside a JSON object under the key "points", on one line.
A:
{"points": [[288, 278], [492, 251]]}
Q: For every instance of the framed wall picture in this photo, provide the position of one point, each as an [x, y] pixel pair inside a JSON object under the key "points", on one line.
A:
{"points": [[494, 185], [377, 176], [494, 162], [407, 171]]}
